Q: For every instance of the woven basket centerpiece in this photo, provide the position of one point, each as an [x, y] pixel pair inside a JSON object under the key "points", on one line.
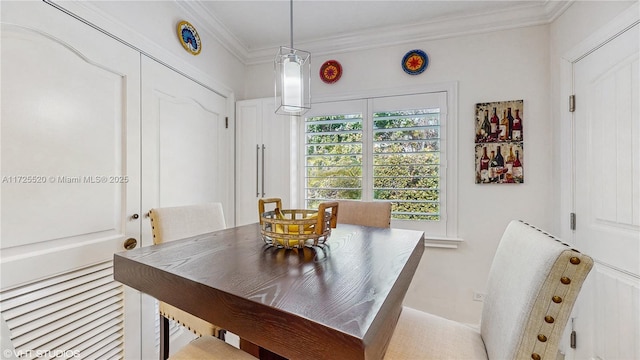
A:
{"points": [[296, 228]]}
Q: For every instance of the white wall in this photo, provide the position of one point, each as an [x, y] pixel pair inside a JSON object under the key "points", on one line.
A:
{"points": [[504, 65]]}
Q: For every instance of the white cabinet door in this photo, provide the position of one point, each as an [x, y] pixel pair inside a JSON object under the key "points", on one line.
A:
{"points": [[262, 157], [187, 158], [187, 148], [70, 183]]}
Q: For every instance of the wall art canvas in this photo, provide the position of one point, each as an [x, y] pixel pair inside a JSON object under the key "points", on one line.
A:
{"points": [[499, 150]]}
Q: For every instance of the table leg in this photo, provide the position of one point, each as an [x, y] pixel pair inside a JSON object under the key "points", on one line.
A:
{"points": [[257, 351], [164, 338], [249, 347]]}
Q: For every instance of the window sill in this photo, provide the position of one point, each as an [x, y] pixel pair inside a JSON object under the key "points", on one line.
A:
{"points": [[442, 242]]}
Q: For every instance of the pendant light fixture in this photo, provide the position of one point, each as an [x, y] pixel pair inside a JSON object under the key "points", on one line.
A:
{"points": [[292, 78]]}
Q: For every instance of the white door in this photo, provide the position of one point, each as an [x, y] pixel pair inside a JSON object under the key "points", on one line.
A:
{"points": [[70, 183], [187, 158], [607, 197]]}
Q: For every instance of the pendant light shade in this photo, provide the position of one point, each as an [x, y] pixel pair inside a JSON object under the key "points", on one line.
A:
{"points": [[292, 79]]}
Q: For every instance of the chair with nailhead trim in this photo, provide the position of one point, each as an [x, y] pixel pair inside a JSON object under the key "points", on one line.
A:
{"points": [[533, 284], [179, 222]]}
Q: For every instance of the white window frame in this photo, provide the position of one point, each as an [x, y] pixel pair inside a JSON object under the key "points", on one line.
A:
{"points": [[443, 234]]}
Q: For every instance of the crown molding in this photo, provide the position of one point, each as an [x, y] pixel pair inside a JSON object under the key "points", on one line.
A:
{"points": [[554, 9], [396, 35], [208, 22], [438, 29]]}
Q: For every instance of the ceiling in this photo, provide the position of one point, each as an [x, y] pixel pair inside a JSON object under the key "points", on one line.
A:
{"points": [[254, 29]]}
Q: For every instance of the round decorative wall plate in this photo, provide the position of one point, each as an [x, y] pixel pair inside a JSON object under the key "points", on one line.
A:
{"points": [[415, 62], [189, 37], [330, 71]]}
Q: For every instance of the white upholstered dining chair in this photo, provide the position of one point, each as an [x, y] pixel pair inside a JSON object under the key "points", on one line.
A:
{"points": [[210, 348], [205, 347], [533, 283], [366, 213], [179, 222]]}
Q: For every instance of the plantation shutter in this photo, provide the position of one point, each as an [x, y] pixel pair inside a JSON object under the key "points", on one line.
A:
{"points": [[407, 155], [390, 149], [334, 152]]}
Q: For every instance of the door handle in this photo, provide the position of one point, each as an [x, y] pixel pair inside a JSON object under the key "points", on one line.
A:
{"points": [[263, 148], [130, 243], [257, 175]]}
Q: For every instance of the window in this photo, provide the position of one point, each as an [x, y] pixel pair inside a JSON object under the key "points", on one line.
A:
{"points": [[333, 158], [380, 149]]}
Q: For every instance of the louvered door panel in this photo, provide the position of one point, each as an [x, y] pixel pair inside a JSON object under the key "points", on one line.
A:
{"points": [[79, 313]]}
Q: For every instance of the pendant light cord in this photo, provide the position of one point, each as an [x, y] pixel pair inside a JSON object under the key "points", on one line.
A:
{"points": [[291, 20]]}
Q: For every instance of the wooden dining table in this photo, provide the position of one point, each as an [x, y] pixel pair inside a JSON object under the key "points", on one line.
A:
{"points": [[338, 301]]}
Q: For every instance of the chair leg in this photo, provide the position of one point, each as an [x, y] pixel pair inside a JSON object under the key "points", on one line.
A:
{"points": [[164, 338]]}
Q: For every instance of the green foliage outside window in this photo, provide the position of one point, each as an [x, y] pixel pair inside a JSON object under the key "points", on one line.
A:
{"points": [[406, 161]]}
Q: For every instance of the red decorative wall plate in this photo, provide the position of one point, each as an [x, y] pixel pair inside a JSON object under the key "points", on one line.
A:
{"points": [[330, 71]]}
